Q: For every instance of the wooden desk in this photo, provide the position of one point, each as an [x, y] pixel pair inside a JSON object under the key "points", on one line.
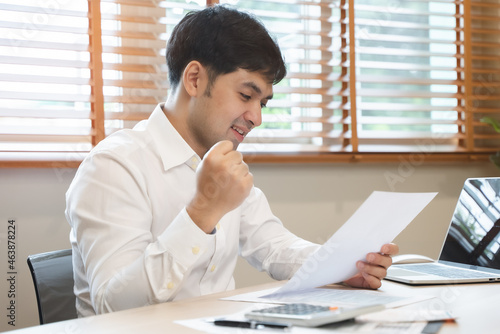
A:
{"points": [[477, 307]]}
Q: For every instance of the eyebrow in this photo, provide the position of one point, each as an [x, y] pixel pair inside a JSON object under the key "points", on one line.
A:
{"points": [[256, 88]]}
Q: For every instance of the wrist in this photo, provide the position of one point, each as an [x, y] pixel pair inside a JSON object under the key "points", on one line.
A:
{"points": [[204, 218]]}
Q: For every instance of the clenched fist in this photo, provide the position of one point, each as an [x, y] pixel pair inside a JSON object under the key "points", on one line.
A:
{"points": [[223, 183]]}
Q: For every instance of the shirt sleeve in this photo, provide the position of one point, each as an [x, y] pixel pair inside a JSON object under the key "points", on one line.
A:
{"points": [[266, 244], [110, 213]]}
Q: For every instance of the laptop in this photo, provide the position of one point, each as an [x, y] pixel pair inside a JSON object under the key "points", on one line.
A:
{"points": [[471, 250]]}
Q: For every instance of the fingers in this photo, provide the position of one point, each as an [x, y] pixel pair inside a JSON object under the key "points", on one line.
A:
{"points": [[223, 160], [390, 249], [364, 281], [222, 147], [377, 263], [223, 183], [379, 260], [236, 163], [371, 282], [369, 277], [374, 269]]}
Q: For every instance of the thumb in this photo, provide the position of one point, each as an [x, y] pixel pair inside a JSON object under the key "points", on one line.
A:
{"points": [[221, 148]]}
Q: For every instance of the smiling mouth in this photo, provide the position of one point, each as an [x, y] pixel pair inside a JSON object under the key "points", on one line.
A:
{"points": [[241, 132]]}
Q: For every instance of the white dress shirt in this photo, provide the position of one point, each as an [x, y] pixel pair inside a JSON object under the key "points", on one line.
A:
{"points": [[134, 243]]}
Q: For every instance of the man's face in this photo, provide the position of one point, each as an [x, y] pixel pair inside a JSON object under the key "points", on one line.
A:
{"points": [[230, 109]]}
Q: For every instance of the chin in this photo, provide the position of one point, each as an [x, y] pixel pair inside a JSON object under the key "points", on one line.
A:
{"points": [[235, 144]]}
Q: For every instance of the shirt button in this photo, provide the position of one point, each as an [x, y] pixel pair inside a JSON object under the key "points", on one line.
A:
{"points": [[170, 285], [195, 250], [194, 163], [218, 226], [212, 268]]}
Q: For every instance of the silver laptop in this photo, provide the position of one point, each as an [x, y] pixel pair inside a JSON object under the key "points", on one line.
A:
{"points": [[471, 250]]}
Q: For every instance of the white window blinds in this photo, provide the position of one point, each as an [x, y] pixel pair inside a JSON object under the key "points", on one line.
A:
{"points": [[45, 80]]}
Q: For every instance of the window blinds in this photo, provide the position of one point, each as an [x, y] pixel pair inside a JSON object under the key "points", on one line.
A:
{"points": [[74, 72], [369, 76], [45, 80], [409, 75], [364, 76], [310, 111]]}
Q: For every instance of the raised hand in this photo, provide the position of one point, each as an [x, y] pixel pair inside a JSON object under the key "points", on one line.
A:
{"points": [[223, 183]]}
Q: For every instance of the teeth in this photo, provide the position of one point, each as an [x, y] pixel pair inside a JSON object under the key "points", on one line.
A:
{"points": [[238, 130]]}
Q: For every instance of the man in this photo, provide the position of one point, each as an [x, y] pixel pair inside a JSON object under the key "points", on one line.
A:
{"points": [[161, 212]]}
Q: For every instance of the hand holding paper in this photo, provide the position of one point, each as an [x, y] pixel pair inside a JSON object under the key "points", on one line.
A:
{"points": [[376, 222], [374, 268]]}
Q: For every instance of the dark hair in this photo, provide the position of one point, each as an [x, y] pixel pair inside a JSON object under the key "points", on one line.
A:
{"points": [[223, 40]]}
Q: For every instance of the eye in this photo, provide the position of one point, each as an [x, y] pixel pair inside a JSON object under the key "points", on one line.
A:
{"points": [[262, 105], [245, 97]]}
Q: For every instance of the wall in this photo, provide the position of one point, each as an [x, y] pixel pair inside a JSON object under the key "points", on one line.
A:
{"points": [[312, 200]]}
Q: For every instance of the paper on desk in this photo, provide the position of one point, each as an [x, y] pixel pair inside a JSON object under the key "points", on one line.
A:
{"points": [[407, 315], [376, 222], [333, 295]]}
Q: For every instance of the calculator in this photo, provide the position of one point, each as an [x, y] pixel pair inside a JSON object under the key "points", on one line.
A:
{"points": [[308, 315]]}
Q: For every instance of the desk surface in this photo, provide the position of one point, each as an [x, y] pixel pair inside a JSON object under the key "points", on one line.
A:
{"points": [[475, 305]]}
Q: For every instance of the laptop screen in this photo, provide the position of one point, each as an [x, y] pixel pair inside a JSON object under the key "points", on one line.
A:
{"points": [[474, 234]]}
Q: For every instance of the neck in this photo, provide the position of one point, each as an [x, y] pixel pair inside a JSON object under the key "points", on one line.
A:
{"points": [[177, 111]]}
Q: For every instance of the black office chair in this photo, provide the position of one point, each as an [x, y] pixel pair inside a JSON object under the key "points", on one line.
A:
{"points": [[52, 274]]}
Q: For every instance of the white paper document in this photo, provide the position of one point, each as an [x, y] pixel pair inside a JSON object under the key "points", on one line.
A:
{"points": [[376, 222], [334, 295], [404, 315]]}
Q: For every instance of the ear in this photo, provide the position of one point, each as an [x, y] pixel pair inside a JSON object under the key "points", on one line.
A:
{"points": [[194, 78]]}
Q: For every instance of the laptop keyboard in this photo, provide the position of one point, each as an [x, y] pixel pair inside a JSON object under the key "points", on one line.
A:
{"points": [[446, 271]]}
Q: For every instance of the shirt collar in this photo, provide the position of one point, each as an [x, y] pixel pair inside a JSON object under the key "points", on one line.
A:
{"points": [[173, 149]]}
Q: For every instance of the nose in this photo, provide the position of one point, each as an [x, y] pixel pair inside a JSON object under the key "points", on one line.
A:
{"points": [[254, 115]]}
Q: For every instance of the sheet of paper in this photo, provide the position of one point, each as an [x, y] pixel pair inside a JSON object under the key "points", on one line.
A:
{"points": [[341, 296], [407, 315], [376, 222]]}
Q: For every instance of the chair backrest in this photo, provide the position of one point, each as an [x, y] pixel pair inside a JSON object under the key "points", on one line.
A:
{"points": [[52, 274]]}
